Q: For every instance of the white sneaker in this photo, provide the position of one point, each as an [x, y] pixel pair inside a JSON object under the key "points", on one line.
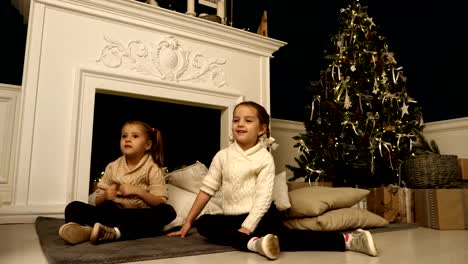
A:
{"points": [[101, 233], [268, 246], [362, 241], [74, 233]]}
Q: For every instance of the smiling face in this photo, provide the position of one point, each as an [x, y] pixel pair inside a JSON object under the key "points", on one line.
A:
{"points": [[134, 142], [246, 126]]}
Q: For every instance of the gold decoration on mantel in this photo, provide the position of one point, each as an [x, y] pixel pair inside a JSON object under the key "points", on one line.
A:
{"points": [[165, 60], [263, 27]]}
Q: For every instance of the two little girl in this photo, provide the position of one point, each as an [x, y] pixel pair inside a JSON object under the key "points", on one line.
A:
{"points": [[243, 172]]}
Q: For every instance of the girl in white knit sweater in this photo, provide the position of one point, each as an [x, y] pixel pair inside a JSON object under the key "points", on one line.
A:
{"points": [[244, 175]]}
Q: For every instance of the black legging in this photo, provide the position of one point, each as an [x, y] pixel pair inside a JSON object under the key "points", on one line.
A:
{"points": [[132, 222], [223, 230]]}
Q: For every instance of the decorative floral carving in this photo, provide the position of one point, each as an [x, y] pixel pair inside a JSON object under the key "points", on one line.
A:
{"points": [[166, 60]]}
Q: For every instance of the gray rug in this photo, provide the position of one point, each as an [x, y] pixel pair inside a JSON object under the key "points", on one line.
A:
{"points": [[58, 252], [386, 228], [392, 227]]}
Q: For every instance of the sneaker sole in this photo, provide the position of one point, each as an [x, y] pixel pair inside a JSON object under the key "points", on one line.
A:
{"points": [[95, 233], [373, 250], [74, 233], [270, 246]]}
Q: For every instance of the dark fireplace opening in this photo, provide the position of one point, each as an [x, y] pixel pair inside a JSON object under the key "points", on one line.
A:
{"points": [[190, 133]]}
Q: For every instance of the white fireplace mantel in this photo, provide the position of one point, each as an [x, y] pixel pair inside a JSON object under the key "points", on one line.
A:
{"points": [[76, 48]]}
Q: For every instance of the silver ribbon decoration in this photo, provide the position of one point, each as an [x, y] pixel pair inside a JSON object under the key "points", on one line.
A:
{"points": [[360, 102], [311, 171], [372, 156], [337, 89], [395, 79], [373, 145], [346, 122], [339, 73], [386, 145], [410, 100], [368, 99], [410, 135], [372, 117], [333, 72], [341, 87], [303, 147], [388, 95], [312, 106]]}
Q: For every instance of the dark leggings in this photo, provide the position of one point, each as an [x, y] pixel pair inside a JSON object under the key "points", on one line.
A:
{"points": [[133, 223], [223, 230]]}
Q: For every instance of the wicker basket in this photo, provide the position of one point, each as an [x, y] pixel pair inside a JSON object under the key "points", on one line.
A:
{"points": [[428, 171]]}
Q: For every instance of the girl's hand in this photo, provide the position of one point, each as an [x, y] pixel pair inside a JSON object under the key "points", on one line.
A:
{"points": [[128, 190], [182, 232], [244, 230], [111, 191]]}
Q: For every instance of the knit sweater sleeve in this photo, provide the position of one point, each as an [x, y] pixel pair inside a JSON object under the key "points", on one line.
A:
{"points": [[213, 179], [157, 183], [263, 193], [107, 178]]}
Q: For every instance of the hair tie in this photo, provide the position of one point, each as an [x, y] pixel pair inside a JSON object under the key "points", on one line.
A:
{"points": [[269, 142]]}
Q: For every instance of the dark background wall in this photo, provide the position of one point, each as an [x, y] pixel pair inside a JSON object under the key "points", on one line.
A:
{"points": [[188, 132], [12, 44], [427, 38]]}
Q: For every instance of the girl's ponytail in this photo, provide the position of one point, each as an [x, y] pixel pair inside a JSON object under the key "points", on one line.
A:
{"points": [[157, 148]]}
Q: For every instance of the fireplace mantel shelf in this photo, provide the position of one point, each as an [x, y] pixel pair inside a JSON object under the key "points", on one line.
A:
{"points": [[171, 22]]}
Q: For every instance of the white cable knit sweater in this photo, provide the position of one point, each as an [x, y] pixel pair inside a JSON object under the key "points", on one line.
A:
{"points": [[245, 180]]}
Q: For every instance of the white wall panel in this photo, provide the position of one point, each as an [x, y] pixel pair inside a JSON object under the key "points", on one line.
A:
{"points": [[9, 102]]}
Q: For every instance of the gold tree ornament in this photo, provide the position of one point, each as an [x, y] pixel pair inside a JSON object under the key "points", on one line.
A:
{"points": [[347, 102], [404, 110]]}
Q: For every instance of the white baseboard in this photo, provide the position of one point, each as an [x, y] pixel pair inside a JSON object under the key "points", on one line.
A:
{"points": [[28, 214]]}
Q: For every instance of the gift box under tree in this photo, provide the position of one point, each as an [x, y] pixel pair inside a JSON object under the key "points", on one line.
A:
{"points": [[444, 209], [394, 204]]}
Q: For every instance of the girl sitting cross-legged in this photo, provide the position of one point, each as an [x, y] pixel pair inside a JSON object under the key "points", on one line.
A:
{"points": [[244, 174], [131, 196]]}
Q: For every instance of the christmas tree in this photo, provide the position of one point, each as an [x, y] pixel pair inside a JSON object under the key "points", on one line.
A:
{"points": [[362, 122]]}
